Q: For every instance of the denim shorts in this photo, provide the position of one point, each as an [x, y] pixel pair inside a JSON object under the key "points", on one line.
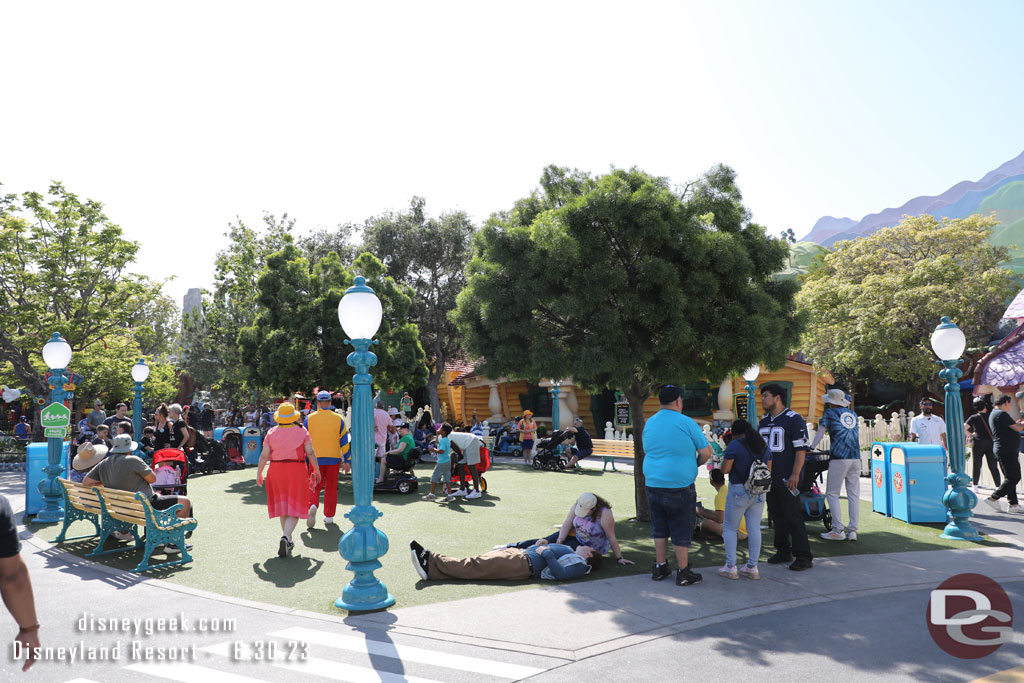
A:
{"points": [[442, 473], [673, 513]]}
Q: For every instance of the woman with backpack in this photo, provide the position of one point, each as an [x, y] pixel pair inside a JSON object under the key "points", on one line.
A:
{"points": [[748, 463]]}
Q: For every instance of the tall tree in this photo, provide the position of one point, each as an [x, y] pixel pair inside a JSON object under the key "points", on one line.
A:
{"points": [[620, 282], [872, 303], [296, 341], [430, 255], [64, 268]]}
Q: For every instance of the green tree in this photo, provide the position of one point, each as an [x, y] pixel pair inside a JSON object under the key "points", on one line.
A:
{"points": [[296, 341], [430, 255], [64, 268], [873, 303], [209, 339], [620, 282]]}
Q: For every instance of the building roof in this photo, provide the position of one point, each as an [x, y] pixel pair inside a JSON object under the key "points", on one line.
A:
{"points": [[1003, 366]]}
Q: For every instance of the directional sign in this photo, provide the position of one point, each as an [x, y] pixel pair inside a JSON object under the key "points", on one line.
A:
{"points": [[55, 415], [55, 432]]}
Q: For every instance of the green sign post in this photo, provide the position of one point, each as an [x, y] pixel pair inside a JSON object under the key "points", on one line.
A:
{"points": [[55, 415]]}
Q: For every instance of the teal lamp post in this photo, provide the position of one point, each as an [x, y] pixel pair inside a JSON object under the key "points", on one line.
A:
{"points": [[948, 343], [57, 356], [750, 375], [556, 390], [360, 313], [140, 373]]}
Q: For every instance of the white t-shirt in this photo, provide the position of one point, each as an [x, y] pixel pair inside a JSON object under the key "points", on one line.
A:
{"points": [[929, 429]]}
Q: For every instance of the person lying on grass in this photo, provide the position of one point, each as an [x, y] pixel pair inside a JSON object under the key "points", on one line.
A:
{"points": [[550, 561]]}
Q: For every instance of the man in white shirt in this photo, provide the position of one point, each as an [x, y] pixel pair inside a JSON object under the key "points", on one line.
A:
{"points": [[928, 428]]}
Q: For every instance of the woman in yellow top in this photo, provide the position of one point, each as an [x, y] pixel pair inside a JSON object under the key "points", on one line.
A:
{"points": [[527, 433]]}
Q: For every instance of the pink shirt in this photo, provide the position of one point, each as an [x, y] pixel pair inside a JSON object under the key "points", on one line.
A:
{"points": [[381, 420], [287, 443]]}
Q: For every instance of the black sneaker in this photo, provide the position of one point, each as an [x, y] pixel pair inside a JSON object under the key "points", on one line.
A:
{"points": [[660, 571], [687, 577], [801, 564], [780, 558], [282, 547], [420, 559]]}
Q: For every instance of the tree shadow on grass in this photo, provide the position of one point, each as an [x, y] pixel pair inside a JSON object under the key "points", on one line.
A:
{"points": [[248, 492], [285, 572]]}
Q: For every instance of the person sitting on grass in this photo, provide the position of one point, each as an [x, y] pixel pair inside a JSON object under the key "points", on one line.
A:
{"points": [[711, 521], [551, 561], [442, 473]]}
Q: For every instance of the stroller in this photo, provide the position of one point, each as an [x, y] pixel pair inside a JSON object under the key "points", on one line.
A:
{"points": [[232, 446], [460, 470], [812, 500], [549, 453], [171, 469]]}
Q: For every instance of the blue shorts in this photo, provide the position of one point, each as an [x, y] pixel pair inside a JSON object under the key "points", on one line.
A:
{"points": [[673, 513], [527, 444]]}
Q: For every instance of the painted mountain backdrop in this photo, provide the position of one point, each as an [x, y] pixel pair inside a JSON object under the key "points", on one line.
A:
{"points": [[1000, 191]]}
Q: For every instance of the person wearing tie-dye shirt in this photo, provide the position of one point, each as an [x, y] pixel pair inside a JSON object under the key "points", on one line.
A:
{"points": [[844, 464], [330, 437]]}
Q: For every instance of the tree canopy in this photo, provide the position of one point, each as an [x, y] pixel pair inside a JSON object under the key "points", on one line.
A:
{"points": [[64, 268], [873, 303], [619, 281], [429, 255]]}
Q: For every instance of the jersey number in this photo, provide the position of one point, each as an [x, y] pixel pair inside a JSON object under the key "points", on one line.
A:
{"points": [[776, 438]]}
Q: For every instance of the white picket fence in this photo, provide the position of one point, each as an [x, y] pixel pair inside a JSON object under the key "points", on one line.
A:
{"points": [[878, 429]]}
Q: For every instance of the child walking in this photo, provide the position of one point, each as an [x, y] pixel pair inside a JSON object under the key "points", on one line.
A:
{"points": [[442, 473]]}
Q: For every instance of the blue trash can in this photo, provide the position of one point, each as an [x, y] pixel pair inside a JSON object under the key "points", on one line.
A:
{"points": [[880, 479], [35, 461], [218, 434], [252, 445], [917, 482]]}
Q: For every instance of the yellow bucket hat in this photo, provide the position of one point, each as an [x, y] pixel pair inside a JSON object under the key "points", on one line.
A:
{"points": [[286, 414]]}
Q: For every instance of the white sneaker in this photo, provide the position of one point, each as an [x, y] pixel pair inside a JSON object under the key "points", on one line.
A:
{"points": [[834, 536], [328, 520], [728, 572], [449, 498], [750, 573], [123, 536], [458, 492], [429, 496], [311, 517], [994, 504], [474, 495], [1015, 510], [851, 535]]}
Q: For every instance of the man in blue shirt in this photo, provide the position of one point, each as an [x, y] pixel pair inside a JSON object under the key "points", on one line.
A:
{"points": [[785, 432], [844, 466], [542, 560], [674, 447]]}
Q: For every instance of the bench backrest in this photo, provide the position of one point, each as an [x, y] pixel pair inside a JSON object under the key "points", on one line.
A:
{"points": [[81, 496], [124, 506], [613, 447]]}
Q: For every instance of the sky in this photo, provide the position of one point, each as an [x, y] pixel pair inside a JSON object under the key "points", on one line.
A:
{"points": [[184, 117]]}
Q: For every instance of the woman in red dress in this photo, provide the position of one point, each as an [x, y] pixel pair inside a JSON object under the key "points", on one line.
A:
{"points": [[289, 451]]}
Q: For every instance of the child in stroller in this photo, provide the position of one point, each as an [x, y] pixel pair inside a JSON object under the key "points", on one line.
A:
{"points": [[171, 469], [548, 453], [812, 500]]}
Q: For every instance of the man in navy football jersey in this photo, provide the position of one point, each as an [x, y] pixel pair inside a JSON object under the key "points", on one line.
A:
{"points": [[785, 432]]}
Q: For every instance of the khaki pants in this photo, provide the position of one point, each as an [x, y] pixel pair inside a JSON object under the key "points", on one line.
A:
{"points": [[505, 564]]}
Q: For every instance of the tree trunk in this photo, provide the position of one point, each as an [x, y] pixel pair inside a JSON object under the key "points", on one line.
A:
{"points": [[433, 396], [636, 393]]}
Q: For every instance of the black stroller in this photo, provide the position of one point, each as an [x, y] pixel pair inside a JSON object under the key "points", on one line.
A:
{"points": [[813, 503], [548, 453]]}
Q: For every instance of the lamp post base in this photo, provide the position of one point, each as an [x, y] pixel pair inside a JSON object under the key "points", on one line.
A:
{"points": [[52, 511], [960, 501]]}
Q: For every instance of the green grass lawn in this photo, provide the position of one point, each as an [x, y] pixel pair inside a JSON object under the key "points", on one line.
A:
{"points": [[236, 544]]}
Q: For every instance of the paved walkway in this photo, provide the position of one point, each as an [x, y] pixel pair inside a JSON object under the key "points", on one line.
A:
{"points": [[557, 632]]}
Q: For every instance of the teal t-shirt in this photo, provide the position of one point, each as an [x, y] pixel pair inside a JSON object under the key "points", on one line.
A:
{"points": [[671, 442], [444, 447]]}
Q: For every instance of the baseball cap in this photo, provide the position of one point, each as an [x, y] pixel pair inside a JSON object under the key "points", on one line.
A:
{"points": [[668, 394], [323, 396], [585, 504]]}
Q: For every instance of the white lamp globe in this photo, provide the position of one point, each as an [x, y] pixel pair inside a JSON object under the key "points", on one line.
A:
{"points": [[140, 371], [948, 341], [57, 353], [359, 311], [751, 373]]}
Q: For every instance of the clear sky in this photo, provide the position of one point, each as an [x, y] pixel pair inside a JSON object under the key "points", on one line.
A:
{"points": [[182, 116]]}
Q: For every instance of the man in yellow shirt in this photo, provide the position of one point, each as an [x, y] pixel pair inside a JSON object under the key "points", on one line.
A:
{"points": [[329, 435], [712, 520]]}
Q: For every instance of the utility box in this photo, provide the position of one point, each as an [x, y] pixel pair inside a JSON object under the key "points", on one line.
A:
{"points": [[35, 460], [252, 445], [917, 482]]}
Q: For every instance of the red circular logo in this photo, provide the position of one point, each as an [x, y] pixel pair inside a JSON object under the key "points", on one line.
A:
{"points": [[878, 477], [969, 616], [897, 481]]}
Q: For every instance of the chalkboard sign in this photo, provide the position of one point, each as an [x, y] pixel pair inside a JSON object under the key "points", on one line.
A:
{"points": [[739, 406], [622, 416]]}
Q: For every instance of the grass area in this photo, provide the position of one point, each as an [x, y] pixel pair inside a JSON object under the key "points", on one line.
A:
{"points": [[236, 544]]}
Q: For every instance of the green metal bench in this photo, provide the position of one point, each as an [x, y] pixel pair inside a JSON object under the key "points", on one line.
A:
{"points": [[80, 503], [126, 511], [610, 449]]}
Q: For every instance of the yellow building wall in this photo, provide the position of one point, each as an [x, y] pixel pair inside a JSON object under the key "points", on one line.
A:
{"points": [[808, 388]]}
